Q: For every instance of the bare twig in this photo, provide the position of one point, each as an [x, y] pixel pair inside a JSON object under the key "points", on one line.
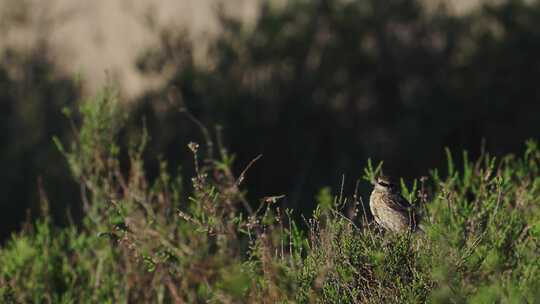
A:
{"points": [[173, 290], [175, 99], [243, 174]]}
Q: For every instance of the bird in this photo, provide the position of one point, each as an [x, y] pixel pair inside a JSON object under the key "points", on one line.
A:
{"points": [[390, 209]]}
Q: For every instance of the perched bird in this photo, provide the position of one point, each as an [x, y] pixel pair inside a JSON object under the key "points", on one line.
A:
{"points": [[390, 209]]}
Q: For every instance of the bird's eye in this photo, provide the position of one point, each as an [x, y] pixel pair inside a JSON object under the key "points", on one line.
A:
{"points": [[384, 184]]}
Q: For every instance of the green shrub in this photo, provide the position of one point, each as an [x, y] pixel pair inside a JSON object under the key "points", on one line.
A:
{"points": [[152, 240]]}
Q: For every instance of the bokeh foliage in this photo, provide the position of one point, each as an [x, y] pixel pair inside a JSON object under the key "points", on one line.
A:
{"points": [[320, 86], [32, 94]]}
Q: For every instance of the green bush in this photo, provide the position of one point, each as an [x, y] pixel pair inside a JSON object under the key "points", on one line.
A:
{"points": [[154, 241]]}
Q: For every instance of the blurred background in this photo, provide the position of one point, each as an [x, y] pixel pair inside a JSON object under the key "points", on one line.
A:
{"points": [[316, 86]]}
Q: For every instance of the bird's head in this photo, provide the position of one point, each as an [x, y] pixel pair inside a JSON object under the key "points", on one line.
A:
{"points": [[385, 183]]}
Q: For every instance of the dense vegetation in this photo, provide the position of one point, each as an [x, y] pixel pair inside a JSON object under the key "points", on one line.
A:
{"points": [[133, 211], [156, 241], [317, 86]]}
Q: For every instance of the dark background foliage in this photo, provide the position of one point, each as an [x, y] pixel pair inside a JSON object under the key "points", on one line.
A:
{"points": [[321, 86], [32, 94], [317, 87]]}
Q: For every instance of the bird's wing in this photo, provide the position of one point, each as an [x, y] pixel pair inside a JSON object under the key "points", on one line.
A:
{"points": [[399, 203]]}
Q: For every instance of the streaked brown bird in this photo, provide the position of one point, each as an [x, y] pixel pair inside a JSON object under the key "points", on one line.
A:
{"points": [[390, 209]]}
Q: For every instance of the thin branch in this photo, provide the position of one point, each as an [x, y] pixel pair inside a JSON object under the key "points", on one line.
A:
{"points": [[175, 99], [243, 174]]}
